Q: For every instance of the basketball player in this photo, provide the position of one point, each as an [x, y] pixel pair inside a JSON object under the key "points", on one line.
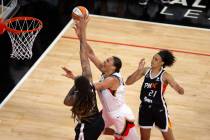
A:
{"points": [[153, 109], [82, 98], [111, 91]]}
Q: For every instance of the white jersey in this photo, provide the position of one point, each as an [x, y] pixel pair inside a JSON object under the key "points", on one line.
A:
{"points": [[110, 100], [115, 111]]}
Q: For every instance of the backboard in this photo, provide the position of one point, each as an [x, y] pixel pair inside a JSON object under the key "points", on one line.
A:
{"points": [[8, 8]]}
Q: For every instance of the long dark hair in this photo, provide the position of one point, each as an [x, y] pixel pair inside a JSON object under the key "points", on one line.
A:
{"points": [[85, 98], [167, 57]]}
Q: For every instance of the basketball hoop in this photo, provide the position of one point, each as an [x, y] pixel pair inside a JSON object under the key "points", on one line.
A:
{"points": [[22, 32]]}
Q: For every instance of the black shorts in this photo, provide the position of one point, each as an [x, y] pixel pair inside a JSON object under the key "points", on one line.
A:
{"points": [[150, 115], [90, 130]]}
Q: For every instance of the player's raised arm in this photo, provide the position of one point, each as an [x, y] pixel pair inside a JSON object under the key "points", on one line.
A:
{"points": [[81, 32], [86, 71], [98, 63], [90, 53], [137, 74]]}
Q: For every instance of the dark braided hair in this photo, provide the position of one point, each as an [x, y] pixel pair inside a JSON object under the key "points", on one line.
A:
{"points": [[167, 57], [85, 98], [117, 63]]}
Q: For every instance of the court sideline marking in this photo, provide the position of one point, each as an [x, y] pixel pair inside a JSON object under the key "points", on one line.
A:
{"points": [[140, 46]]}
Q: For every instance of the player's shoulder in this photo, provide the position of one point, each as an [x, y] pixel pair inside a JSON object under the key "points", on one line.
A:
{"points": [[166, 75]]}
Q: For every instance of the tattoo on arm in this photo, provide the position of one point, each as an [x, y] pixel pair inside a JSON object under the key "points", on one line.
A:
{"points": [[86, 70]]}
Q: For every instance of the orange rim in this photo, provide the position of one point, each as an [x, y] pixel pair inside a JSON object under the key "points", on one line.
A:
{"points": [[9, 21]]}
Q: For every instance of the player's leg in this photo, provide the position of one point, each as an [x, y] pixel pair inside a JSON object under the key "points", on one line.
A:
{"points": [[145, 133], [162, 121], [146, 121], [168, 135]]}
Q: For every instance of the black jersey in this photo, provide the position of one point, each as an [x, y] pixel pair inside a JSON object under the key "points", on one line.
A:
{"points": [[94, 111], [153, 88]]}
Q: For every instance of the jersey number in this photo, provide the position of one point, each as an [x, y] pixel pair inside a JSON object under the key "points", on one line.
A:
{"points": [[152, 93]]}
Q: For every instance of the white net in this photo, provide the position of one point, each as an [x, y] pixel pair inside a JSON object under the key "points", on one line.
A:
{"points": [[22, 32]]}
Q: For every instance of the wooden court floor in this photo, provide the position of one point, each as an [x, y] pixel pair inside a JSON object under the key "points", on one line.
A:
{"points": [[36, 110]]}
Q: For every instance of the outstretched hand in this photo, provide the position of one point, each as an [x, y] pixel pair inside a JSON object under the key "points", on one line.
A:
{"points": [[141, 64], [68, 73], [80, 27]]}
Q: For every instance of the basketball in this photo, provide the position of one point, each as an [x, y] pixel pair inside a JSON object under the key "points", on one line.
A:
{"points": [[79, 12]]}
